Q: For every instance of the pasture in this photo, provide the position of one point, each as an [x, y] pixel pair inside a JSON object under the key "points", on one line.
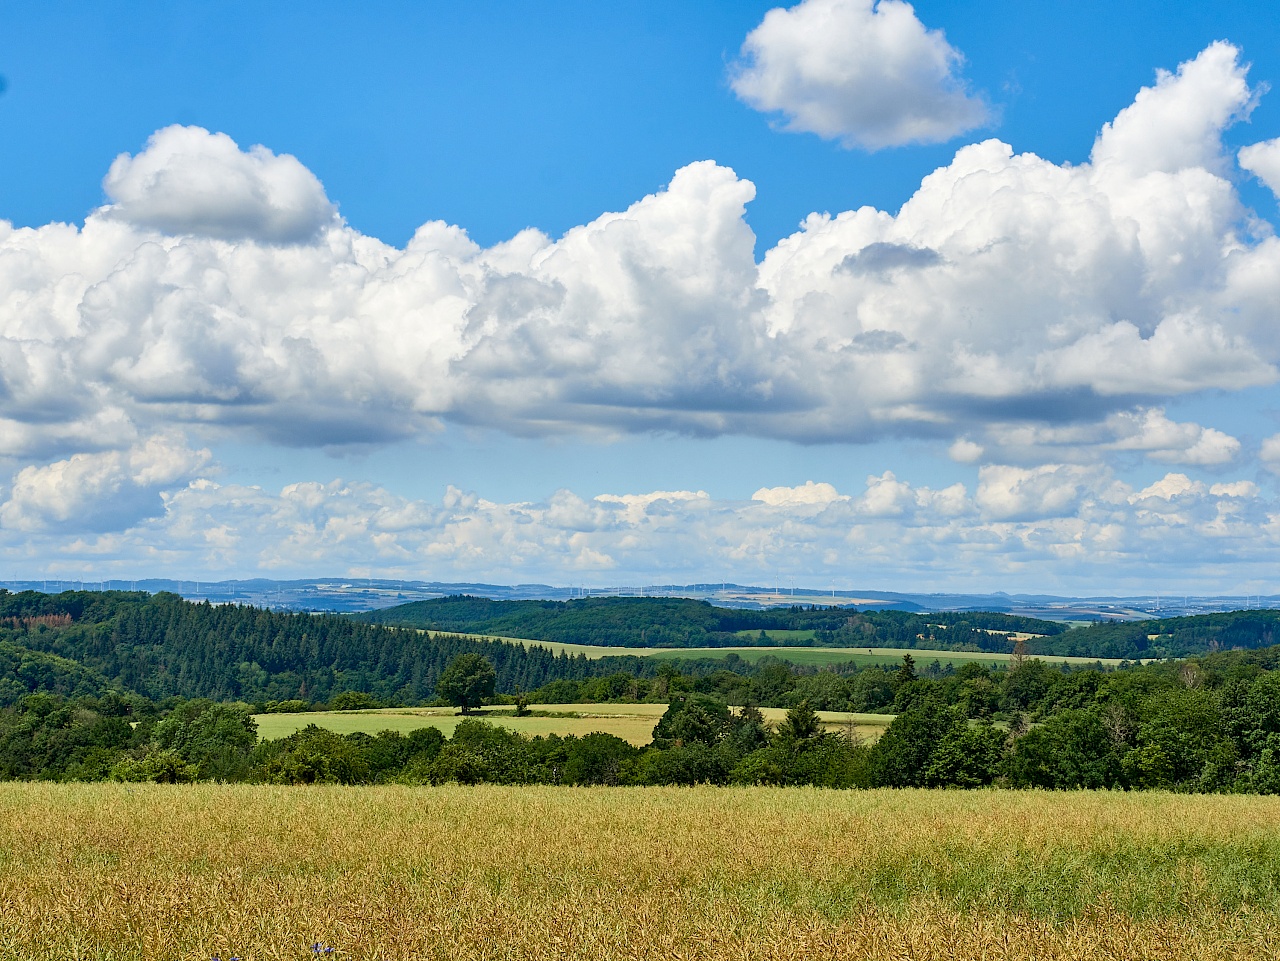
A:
{"points": [[805, 656], [154, 872], [631, 722]]}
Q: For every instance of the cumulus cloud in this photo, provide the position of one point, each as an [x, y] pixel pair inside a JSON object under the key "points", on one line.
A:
{"points": [[1270, 453], [1047, 491], [1055, 526], [1010, 301], [1263, 161], [1176, 124], [965, 451], [867, 73], [1147, 432], [110, 490], [190, 181], [809, 493]]}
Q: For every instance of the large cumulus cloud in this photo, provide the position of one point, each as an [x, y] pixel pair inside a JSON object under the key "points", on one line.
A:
{"points": [[1037, 318], [220, 290]]}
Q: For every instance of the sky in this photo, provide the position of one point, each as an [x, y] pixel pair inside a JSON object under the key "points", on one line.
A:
{"points": [[948, 296]]}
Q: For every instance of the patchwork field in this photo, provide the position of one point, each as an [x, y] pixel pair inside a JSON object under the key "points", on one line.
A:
{"points": [[152, 872], [631, 722]]}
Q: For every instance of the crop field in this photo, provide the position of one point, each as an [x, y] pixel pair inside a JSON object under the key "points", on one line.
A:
{"points": [[631, 722], [155, 872]]}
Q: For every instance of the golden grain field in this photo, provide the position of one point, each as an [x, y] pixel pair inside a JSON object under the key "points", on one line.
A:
{"points": [[158, 872]]}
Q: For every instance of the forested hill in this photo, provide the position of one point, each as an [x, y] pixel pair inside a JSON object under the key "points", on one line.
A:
{"points": [[1170, 637], [674, 622], [678, 622], [162, 646]]}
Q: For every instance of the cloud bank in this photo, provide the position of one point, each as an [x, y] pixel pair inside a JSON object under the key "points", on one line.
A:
{"points": [[1051, 527], [867, 73]]}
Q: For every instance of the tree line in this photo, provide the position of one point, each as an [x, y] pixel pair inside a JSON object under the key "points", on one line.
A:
{"points": [[1210, 724]]}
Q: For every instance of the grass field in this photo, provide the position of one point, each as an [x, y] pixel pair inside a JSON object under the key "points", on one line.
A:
{"points": [[812, 656], [806, 656], [793, 636], [152, 872], [631, 722]]}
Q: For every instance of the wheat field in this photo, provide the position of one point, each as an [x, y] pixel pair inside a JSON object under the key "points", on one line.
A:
{"points": [[158, 872]]}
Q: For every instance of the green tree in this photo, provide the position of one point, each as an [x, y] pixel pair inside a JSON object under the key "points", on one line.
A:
{"points": [[467, 681], [906, 673], [353, 701], [901, 756], [314, 756], [800, 724], [693, 719], [217, 739], [1072, 749]]}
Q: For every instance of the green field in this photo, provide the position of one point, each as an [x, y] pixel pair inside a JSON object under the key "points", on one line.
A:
{"points": [[119, 872], [805, 656], [631, 722], [778, 635]]}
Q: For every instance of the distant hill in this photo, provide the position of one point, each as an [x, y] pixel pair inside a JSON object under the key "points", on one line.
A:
{"points": [[678, 622], [1168, 637], [673, 622]]}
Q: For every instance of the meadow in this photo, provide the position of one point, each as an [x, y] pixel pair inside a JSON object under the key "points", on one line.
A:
{"points": [[134, 872], [802, 656], [631, 722]]}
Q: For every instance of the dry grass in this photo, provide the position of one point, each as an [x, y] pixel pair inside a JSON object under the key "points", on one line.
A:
{"points": [[116, 872]]}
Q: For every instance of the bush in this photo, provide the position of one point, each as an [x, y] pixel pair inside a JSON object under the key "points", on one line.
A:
{"points": [[353, 701], [164, 766]]}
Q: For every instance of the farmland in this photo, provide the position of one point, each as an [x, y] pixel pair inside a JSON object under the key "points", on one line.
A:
{"points": [[631, 722], [805, 656], [163, 872]]}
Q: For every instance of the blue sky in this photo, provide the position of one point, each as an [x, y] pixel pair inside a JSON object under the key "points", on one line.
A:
{"points": [[1050, 374]]}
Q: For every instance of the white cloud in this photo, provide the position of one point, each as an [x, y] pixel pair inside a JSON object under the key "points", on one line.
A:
{"points": [[965, 451], [1270, 453], [110, 490], [1263, 161], [1048, 491], [867, 73], [189, 181], [1176, 125], [1167, 441], [1015, 309], [886, 496], [809, 493], [1059, 527], [1169, 488], [1147, 432]]}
